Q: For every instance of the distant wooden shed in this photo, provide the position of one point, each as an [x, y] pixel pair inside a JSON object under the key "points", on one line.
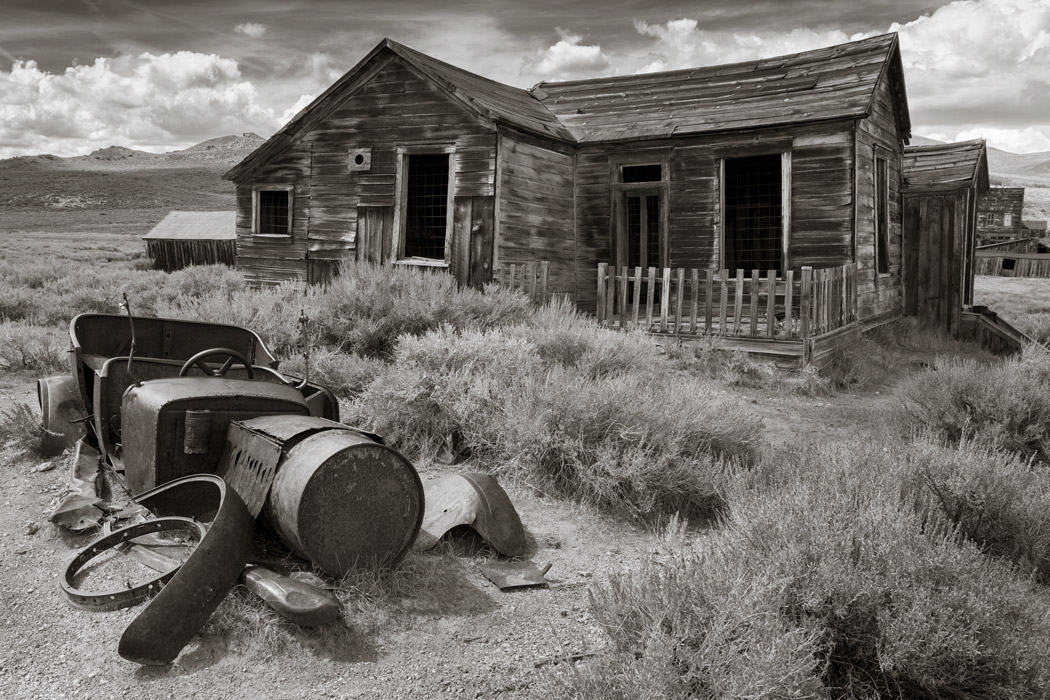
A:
{"points": [[185, 238], [942, 186]]}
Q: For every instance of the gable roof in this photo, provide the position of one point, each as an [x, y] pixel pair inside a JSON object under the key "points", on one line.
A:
{"points": [[831, 83], [946, 165], [196, 226]]}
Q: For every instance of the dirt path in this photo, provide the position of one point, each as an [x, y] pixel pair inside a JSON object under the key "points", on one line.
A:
{"points": [[445, 631]]}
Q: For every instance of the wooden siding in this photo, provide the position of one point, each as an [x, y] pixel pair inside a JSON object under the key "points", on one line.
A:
{"points": [[937, 276], [395, 107], [820, 210], [170, 255], [536, 206], [1001, 201], [878, 134]]}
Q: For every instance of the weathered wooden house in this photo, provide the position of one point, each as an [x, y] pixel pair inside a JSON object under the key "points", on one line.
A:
{"points": [[1020, 257], [783, 168], [999, 214], [184, 238], [942, 187]]}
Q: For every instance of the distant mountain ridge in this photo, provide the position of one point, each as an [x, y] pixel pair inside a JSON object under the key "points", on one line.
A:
{"points": [[221, 151]]}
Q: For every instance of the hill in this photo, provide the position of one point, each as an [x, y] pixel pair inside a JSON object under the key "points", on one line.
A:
{"points": [[118, 189]]}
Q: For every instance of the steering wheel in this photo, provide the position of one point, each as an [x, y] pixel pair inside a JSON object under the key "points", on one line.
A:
{"points": [[231, 356]]}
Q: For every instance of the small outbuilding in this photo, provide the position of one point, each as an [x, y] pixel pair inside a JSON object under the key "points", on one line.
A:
{"points": [[942, 187], [185, 238]]}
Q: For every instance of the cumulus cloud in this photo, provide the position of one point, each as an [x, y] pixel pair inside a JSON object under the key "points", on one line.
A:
{"points": [[972, 67], [567, 59], [252, 29], [979, 68], [139, 101]]}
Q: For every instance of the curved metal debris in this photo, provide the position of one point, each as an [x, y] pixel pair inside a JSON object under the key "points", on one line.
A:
{"points": [[476, 500], [182, 607]]}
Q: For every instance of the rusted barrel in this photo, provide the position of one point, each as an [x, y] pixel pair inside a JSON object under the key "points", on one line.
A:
{"points": [[341, 499]]}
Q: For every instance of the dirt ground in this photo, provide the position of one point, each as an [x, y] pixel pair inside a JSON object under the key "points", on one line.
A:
{"points": [[447, 632]]}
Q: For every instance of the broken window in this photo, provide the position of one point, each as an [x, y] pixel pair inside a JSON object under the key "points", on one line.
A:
{"points": [[426, 205], [754, 221], [882, 213], [273, 213]]}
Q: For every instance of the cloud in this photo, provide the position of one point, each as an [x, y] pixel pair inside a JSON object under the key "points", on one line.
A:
{"points": [[139, 101], [980, 68], [567, 59], [971, 67], [252, 29]]}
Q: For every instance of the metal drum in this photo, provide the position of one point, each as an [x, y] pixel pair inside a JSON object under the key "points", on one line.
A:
{"points": [[343, 500]]}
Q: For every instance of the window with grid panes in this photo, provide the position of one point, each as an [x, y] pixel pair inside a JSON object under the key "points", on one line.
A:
{"points": [[273, 212], [754, 226], [426, 205]]}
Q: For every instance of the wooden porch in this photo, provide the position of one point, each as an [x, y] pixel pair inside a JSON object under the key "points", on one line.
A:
{"points": [[792, 316]]}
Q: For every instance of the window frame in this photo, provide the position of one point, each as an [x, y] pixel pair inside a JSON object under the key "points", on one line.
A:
{"points": [[397, 248], [257, 214], [620, 192], [785, 205], [881, 199]]}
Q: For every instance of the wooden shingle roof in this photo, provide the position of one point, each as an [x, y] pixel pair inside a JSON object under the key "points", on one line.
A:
{"points": [[946, 165], [832, 83], [838, 82], [196, 226]]}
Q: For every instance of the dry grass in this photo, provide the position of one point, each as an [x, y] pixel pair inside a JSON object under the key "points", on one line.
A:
{"points": [[1023, 302]]}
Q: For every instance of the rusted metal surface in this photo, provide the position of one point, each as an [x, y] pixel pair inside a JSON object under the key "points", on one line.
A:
{"points": [[297, 601], [81, 507], [249, 464], [153, 418], [340, 498], [182, 607], [515, 574], [125, 596], [63, 413], [476, 500]]}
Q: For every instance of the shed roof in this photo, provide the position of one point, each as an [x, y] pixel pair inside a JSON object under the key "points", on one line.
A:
{"points": [[196, 226], [831, 83], [946, 165]]}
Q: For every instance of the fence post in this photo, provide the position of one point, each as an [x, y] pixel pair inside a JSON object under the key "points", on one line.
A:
{"points": [[803, 311], [665, 299], [545, 268], [603, 271]]}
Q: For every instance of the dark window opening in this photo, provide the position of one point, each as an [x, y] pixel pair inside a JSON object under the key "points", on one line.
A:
{"points": [[273, 212], [642, 173], [426, 206], [754, 213], [882, 214], [1008, 263], [643, 230]]}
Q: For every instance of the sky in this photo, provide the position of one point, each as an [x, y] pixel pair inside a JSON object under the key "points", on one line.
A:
{"points": [[160, 75]]}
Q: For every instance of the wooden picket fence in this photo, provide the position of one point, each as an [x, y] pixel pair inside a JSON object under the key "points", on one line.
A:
{"points": [[529, 277], [745, 304]]}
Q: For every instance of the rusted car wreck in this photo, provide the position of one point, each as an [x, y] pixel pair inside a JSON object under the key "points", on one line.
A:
{"points": [[196, 422]]}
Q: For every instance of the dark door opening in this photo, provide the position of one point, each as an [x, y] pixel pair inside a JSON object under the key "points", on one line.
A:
{"points": [[426, 206], [754, 221]]}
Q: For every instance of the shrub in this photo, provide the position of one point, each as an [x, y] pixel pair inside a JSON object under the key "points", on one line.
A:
{"points": [[1007, 403], [634, 442], [24, 346], [21, 429], [991, 497], [824, 582], [345, 375]]}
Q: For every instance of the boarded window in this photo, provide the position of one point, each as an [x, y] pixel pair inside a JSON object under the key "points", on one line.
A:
{"points": [[754, 231], [882, 216], [426, 206]]}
